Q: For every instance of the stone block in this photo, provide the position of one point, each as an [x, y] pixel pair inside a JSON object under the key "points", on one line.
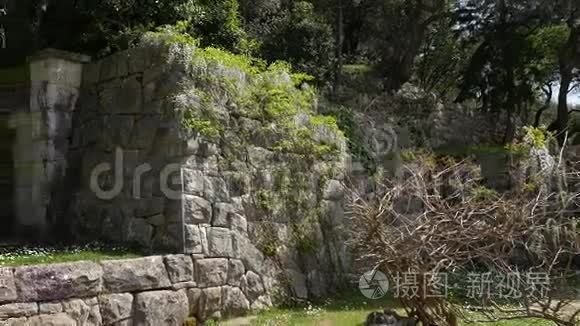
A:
{"points": [[219, 242], [234, 302], [116, 307], [247, 252], [215, 189], [16, 310], [333, 190], [210, 303], [7, 285], [155, 308], [236, 271], [138, 274], [58, 281], [193, 241], [194, 181], [252, 285], [60, 319], [179, 268], [83, 312], [211, 272], [196, 210], [49, 307]]}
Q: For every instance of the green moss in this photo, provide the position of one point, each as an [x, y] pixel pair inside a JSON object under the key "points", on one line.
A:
{"points": [[204, 127]]}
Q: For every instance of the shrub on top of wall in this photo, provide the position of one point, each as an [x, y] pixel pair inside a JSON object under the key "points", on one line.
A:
{"points": [[281, 100]]}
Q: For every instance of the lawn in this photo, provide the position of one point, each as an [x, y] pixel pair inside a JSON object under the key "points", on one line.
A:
{"points": [[348, 310], [34, 255]]}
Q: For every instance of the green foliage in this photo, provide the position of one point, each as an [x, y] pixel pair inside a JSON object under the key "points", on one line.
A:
{"points": [[301, 37]]}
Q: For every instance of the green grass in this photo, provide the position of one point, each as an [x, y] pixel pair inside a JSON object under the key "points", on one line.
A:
{"points": [[47, 255], [348, 310]]}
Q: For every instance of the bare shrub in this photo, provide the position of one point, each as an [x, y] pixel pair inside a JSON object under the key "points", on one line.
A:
{"points": [[439, 220]]}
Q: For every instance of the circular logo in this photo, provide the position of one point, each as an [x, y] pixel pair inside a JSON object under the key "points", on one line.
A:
{"points": [[373, 284]]}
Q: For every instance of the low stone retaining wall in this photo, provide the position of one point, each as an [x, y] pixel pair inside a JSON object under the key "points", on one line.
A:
{"points": [[156, 290]]}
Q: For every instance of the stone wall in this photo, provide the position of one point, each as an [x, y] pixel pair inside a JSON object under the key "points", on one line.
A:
{"points": [[270, 220], [156, 290]]}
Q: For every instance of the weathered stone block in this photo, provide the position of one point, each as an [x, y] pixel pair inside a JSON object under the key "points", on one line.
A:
{"points": [[252, 285], [215, 189], [15, 310], [49, 307], [196, 210], [179, 268], [333, 190], [194, 298], [60, 319], [219, 242], [194, 181], [193, 241], [58, 281], [155, 308], [135, 274], [210, 303], [83, 312], [211, 272], [116, 307], [234, 302], [247, 252], [236, 271], [7, 286]]}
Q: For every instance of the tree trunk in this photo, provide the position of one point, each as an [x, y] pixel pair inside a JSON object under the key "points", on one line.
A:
{"points": [[563, 115]]}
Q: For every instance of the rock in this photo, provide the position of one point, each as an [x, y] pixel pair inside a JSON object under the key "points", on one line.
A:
{"points": [[333, 190], [179, 268], [196, 210], [194, 297], [193, 241], [230, 216], [139, 274], [15, 310], [210, 303], [219, 242], [235, 272], [211, 272], [234, 302], [215, 189], [116, 307], [156, 308], [82, 312], [60, 319], [23, 321], [263, 302], [193, 181], [247, 252], [298, 282], [58, 281], [7, 285], [49, 307], [252, 285]]}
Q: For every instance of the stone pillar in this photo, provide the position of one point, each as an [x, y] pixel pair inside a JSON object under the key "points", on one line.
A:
{"points": [[42, 138]]}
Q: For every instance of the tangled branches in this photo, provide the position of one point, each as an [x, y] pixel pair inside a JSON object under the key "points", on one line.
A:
{"points": [[438, 220]]}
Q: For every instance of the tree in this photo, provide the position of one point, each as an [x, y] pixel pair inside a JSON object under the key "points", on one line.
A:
{"points": [[398, 27], [303, 38]]}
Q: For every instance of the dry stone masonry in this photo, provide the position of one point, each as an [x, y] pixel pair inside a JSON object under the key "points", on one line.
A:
{"points": [[156, 290], [244, 221]]}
